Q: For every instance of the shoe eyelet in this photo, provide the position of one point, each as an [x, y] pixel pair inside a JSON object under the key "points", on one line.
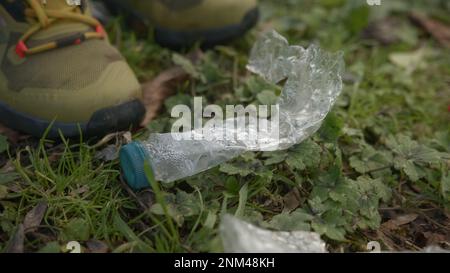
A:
{"points": [[21, 49], [13, 58]]}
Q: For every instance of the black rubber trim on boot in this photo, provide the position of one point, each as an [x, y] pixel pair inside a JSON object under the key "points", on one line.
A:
{"points": [[209, 38], [118, 118], [107, 120]]}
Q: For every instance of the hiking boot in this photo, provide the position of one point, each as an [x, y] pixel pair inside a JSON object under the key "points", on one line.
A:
{"points": [[182, 23], [57, 68]]}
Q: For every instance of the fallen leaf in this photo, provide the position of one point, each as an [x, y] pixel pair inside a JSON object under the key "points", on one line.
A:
{"points": [[434, 238], [437, 29], [34, 217], [157, 90], [16, 243], [291, 200], [381, 30], [382, 235], [410, 61], [390, 30], [400, 221], [96, 246]]}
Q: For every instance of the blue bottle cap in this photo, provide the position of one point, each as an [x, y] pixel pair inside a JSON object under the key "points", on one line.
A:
{"points": [[132, 159]]}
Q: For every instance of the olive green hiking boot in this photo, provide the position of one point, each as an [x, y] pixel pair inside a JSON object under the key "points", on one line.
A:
{"points": [[57, 68], [182, 23]]}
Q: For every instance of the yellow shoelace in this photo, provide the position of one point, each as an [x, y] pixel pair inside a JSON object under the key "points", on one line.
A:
{"points": [[46, 17]]}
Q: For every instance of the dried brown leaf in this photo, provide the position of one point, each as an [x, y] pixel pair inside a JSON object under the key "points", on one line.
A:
{"points": [[435, 28], [400, 221], [383, 30], [435, 238], [34, 217], [157, 90], [383, 236], [96, 246], [16, 243], [292, 200]]}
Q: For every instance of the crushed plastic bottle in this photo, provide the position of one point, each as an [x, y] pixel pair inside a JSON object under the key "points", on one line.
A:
{"points": [[313, 83], [241, 237]]}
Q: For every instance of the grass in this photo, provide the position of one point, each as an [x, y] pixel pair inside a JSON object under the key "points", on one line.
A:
{"points": [[382, 152]]}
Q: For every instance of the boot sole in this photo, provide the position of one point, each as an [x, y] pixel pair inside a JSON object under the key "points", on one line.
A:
{"points": [[107, 120]]}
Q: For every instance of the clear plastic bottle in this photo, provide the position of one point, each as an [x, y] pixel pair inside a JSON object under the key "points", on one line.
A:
{"points": [[314, 82]]}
